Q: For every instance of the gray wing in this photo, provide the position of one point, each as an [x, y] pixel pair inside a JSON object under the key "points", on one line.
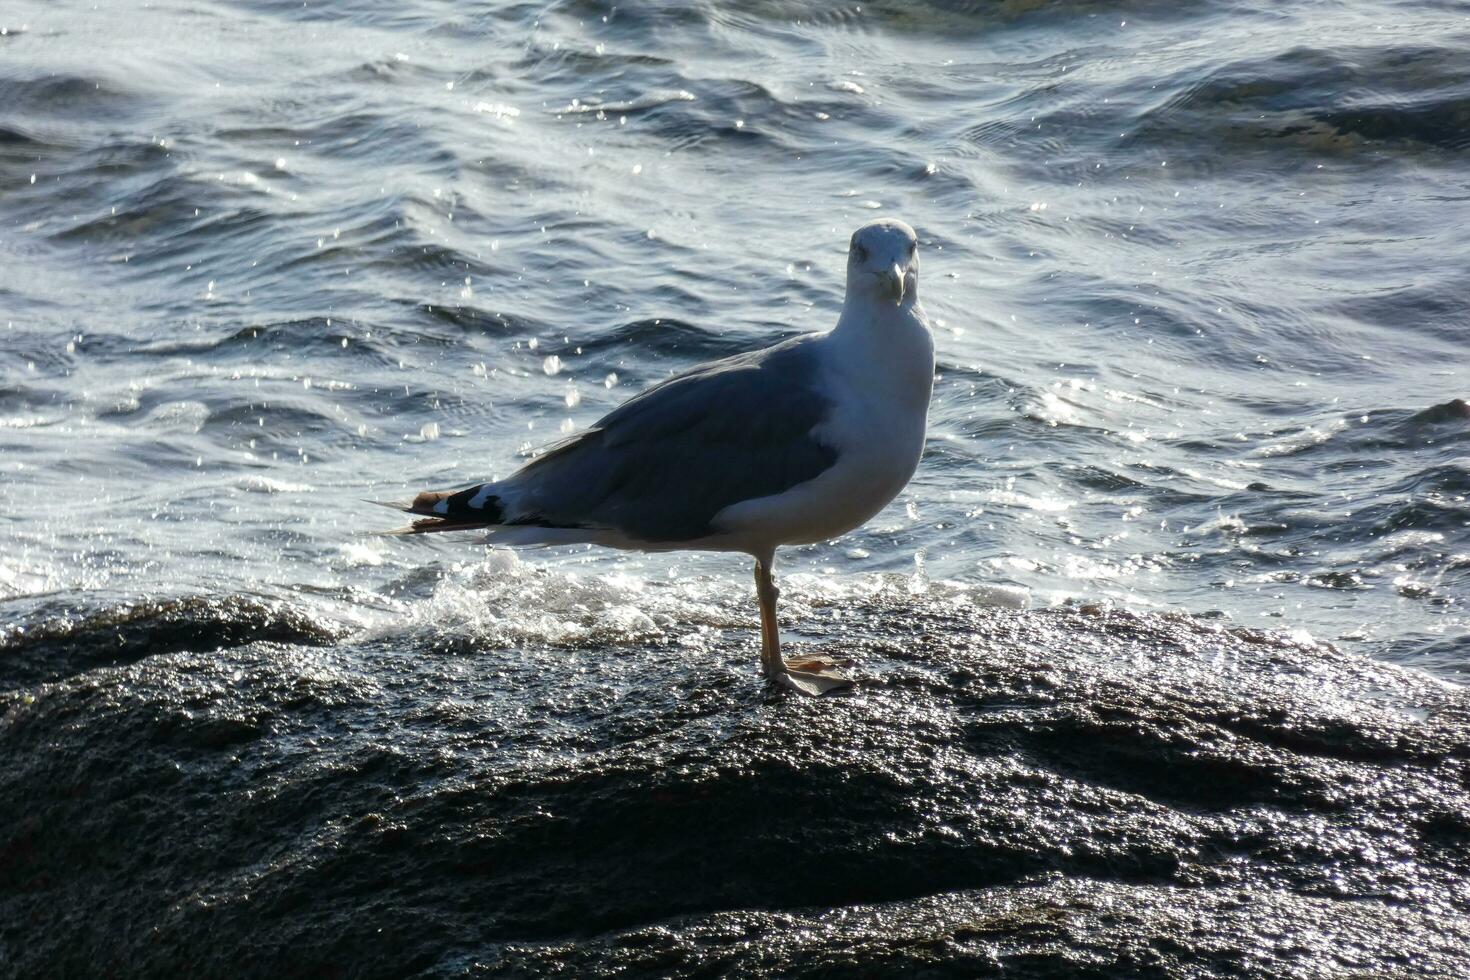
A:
{"points": [[662, 465]]}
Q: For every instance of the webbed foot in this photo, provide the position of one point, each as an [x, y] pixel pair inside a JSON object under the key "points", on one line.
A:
{"points": [[814, 676]]}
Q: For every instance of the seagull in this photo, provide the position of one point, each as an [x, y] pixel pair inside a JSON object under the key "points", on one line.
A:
{"points": [[797, 443]]}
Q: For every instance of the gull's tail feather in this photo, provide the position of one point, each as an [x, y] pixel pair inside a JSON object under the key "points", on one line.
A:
{"points": [[471, 509]]}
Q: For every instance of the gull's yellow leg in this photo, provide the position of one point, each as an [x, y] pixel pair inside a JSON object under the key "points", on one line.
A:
{"points": [[766, 593], [809, 675]]}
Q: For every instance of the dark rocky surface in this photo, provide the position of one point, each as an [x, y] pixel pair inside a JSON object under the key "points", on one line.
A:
{"points": [[1058, 793]]}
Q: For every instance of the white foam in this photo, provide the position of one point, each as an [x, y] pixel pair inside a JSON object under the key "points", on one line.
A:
{"points": [[255, 483], [503, 601]]}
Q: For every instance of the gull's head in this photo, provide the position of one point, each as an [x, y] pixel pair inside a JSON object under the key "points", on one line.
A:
{"points": [[883, 262]]}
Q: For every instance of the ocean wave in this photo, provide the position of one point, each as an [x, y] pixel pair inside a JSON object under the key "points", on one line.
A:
{"points": [[1360, 104]]}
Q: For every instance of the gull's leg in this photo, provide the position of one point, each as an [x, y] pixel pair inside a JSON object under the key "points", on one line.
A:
{"points": [[766, 593], [809, 675]]}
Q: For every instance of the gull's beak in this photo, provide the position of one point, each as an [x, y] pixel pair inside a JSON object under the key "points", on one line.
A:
{"points": [[896, 273]]}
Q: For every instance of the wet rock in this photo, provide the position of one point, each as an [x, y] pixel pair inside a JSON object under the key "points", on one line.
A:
{"points": [[1036, 793], [55, 640]]}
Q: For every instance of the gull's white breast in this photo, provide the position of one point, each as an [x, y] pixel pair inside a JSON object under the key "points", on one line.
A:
{"points": [[877, 425]]}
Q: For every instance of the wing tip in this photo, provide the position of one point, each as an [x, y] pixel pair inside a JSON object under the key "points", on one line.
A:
{"points": [[435, 513], [402, 505], [429, 525]]}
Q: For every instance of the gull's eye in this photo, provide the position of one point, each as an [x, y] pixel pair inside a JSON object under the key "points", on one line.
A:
{"points": [[859, 253]]}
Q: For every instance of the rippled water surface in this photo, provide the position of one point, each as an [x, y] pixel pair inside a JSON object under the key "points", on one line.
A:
{"points": [[1197, 274]]}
